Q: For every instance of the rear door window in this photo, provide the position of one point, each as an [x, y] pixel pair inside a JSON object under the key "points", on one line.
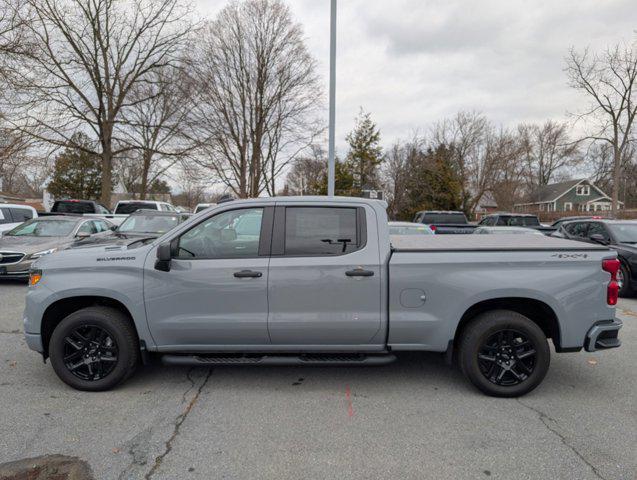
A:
{"points": [[311, 231], [68, 206], [444, 218], [21, 214], [130, 207], [5, 216], [576, 229]]}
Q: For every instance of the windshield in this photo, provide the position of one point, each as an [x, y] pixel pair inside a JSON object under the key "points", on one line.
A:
{"points": [[149, 223], [43, 228], [409, 230], [131, 207], [624, 232]]}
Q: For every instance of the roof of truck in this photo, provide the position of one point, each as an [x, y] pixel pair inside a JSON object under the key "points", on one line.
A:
{"points": [[469, 243]]}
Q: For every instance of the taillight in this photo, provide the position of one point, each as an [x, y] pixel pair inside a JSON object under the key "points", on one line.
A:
{"points": [[612, 291]]}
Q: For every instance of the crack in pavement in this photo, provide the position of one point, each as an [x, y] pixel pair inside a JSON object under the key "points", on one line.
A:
{"points": [[545, 419], [192, 384], [168, 445]]}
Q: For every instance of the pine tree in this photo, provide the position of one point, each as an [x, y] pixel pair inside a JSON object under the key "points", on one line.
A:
{"points": [[77, 174], [365, 154]]}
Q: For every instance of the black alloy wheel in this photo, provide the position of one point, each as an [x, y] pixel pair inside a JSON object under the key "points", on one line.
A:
{"points": [[90, 352], [507, 358]]}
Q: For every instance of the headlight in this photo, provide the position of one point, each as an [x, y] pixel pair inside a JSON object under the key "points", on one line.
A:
{"points": [[43, 253], [34, 277]]}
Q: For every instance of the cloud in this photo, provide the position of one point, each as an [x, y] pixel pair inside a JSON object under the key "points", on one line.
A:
{"points": [[413, 62]]}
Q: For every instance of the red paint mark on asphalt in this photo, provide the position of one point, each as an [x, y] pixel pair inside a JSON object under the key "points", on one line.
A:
{"points": [[350, 407]]}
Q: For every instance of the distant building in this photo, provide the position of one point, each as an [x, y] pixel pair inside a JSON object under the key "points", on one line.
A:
{"points": [[574, 195], [486, 205], [370, 192]]}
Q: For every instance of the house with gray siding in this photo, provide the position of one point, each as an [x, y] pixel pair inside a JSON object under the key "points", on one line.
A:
{"points": [[574, 195]]}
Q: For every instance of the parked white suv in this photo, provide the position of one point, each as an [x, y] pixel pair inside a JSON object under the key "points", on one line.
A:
{"points": [[13, 214], [127, 207]]}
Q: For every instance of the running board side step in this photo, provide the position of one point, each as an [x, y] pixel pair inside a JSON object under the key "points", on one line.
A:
{"points": [[294, 360]]}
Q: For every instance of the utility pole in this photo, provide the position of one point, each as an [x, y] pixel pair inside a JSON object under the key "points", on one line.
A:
{"points": [[332, 120]]}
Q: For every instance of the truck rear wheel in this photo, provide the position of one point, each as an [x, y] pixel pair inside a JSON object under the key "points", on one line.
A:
{"points": [[94, 349], [623, 278], [503, 353]]}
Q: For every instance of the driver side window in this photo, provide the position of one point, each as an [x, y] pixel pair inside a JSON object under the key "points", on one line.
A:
{"points": [[231, 234]]}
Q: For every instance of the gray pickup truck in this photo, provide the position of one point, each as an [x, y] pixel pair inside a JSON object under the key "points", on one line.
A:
{"points": [[317, 281]]}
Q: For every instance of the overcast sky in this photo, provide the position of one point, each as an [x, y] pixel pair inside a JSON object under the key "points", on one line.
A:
{"points": [[413, 62]]}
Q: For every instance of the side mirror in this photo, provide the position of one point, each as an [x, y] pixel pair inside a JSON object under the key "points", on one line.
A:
{"points": [[164, 256], [114, 228], [599, 238], [82, 235]]}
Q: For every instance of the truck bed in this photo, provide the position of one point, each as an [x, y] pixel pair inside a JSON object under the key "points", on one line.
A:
{"points": [[487, 243]]}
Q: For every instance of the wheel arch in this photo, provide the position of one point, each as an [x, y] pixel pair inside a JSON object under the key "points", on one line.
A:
{"points": [[62, 308], [536, 310]]}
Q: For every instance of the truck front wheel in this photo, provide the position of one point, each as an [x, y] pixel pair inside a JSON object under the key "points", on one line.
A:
{"points": [[503, 353], [94, 349]]}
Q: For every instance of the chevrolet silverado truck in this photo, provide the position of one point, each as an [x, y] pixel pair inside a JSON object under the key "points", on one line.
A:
{"points": [[316, 281]]}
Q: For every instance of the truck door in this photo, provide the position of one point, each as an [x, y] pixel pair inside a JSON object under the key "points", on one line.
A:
{"points": [[215, 293], [324, 285]]}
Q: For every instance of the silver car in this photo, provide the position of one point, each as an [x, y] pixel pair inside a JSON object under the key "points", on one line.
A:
{"points": [[41, 236]]}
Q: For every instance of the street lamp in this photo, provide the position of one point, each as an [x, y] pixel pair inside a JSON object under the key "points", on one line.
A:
{"points": [[332, 119]]}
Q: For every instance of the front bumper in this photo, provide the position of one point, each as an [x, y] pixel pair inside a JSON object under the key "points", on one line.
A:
{"points": [[34, 341], [603, 335], [17, 270]]}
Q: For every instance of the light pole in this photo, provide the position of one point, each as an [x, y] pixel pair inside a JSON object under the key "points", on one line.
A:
{"points": [[332, 120]]}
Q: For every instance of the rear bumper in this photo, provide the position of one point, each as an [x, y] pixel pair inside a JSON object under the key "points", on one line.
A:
{"points": [[603, 335]]}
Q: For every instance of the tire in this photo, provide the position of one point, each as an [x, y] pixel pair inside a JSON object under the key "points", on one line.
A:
{"points": [[106, 334], [626, 290], [523, 373]]}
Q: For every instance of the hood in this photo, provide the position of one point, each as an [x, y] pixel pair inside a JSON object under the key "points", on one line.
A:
{"points": [[31, 245], [95, 256], [112, 239]]}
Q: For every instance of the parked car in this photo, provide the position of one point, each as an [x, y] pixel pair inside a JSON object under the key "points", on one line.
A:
{"points": [[13, 214], [445, 222], [41, 236], [620, 235], [140, 225], [515, 220], [506, 231], [203, 206], [85, 208], [315, 281], [409, 228], [127, 207], [556, 224], [79, 207]]}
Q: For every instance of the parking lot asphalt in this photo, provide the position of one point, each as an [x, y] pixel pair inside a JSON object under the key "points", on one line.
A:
{"points": [[416, 418]]}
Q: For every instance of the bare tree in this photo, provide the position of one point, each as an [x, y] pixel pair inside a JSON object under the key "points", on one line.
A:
{"points": [[308, 173], [479, 152], [155, 126], [86, 57], [548, 151], [609, 79], [256, 95]]}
